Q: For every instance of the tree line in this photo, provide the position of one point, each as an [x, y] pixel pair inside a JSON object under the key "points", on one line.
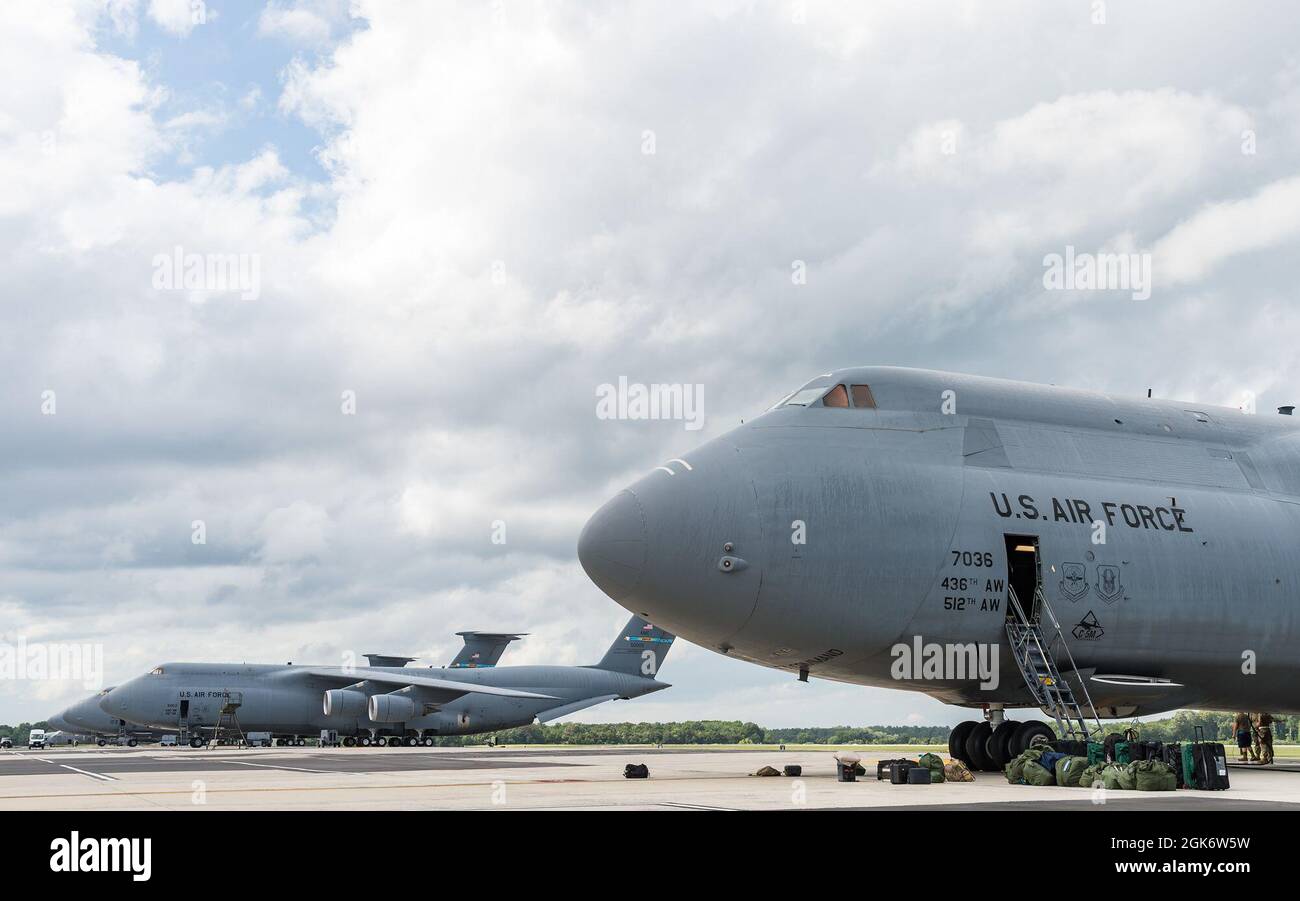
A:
{"points": [[1179, 727]]}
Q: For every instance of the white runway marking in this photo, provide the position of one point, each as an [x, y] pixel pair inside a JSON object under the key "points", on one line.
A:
{"points": [[99, 776], [296, 769]]}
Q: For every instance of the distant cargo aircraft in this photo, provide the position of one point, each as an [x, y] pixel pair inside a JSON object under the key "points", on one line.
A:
{"points": [[994, 544], [390, 704]]}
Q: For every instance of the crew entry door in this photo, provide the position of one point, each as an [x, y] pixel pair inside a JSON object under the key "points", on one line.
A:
{"points": [[1024, 575]]}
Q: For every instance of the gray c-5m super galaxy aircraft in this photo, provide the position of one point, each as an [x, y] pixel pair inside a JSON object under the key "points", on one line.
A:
{"points": [[384, 705], [87, 719], [886, 526]]}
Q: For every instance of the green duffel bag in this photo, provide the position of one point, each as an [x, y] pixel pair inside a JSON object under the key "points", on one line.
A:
{"points": [[1015, 770], [934, 763], [1069, 770], [1037, 774], [1116, 777], [1154, 776], [1121, 752], [1091, 776], [1096, 754]]}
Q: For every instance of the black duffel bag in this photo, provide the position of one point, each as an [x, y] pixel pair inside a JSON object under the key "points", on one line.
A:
{"points": [[636, 771]]}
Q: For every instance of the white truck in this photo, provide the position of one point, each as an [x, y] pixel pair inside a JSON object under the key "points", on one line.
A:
{"points": [[36, 739]]}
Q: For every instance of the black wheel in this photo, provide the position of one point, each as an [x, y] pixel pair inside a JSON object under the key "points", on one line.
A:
{"points": [[975, 742], [1026, 733], [101, 742], [998, 747], [365, 741], [302, 743], [131, 743], [381, 742], [412, 742], [349, 742], [957, 740], [428, 741]]}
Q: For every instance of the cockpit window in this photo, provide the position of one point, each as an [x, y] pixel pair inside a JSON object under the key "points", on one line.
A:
{"points": [[863, 398], [836, 397], [805, 397], [156, 671]]}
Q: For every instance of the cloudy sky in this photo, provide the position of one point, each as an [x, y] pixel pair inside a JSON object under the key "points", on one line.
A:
{"points": [[464, 217]]}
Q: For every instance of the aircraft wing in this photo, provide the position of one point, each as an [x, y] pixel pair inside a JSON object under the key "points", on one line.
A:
{"points": [[401, 680], [565, 709]]}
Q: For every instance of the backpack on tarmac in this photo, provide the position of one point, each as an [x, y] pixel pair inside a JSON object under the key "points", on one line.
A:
{"points": [[933, 763], [636, 771], [1036, 773], [957, 772], [1069, 771], [1154, 776]]}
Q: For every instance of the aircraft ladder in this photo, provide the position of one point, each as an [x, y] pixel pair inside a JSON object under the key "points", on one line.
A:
{"points": [[1038, 667]]}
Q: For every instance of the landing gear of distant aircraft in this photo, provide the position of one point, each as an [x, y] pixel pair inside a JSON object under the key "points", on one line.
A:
{"points": [[381, 742], [412, 741], [998, 747], [101, 741], [975, 742], [349, 741], [365, 741], [301, 743], [1025, 735], [957, 740], [196, 742], [131, 742], [427, 741]]}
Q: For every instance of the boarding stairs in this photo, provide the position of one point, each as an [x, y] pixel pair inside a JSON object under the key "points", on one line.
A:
{"points": [[1032, 649], [227, 717]]}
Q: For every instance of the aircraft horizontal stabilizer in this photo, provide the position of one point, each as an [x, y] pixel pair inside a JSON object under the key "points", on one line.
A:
{"points": [[565, 709]]}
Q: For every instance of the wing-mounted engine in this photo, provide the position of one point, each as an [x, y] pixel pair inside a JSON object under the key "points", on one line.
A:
{"points": [[349, 701], [405, 704]]}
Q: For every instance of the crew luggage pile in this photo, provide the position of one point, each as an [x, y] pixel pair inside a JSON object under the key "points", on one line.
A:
{"points": [[929, 769], [1122, 762]]}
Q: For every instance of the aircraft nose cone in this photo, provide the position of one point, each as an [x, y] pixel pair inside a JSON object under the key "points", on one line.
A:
{"points": [[681, 546], [611, 547]]}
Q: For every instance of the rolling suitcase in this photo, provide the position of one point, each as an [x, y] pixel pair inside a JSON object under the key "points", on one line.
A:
{"points": [[793, 769], [899, 769], [1172, 754], [1209, 764], [884, 767], [918, 775]]}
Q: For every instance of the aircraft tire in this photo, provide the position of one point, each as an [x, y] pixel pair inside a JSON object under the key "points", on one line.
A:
{"points": [[131, 742], [412, 742], [998, 747], [428, 741], [101, 742], [349, 741], [365, 741], [957, 740], [302, 743], [1026, 733], [381, 742], [975, 742]]}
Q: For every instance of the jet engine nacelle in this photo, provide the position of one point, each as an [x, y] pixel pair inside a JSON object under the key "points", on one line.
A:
{"points": [[391, 709], [343, 702]]}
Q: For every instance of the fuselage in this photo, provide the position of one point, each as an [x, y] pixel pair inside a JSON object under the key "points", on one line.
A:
{"points": [[854, 530], [287, 699]]}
